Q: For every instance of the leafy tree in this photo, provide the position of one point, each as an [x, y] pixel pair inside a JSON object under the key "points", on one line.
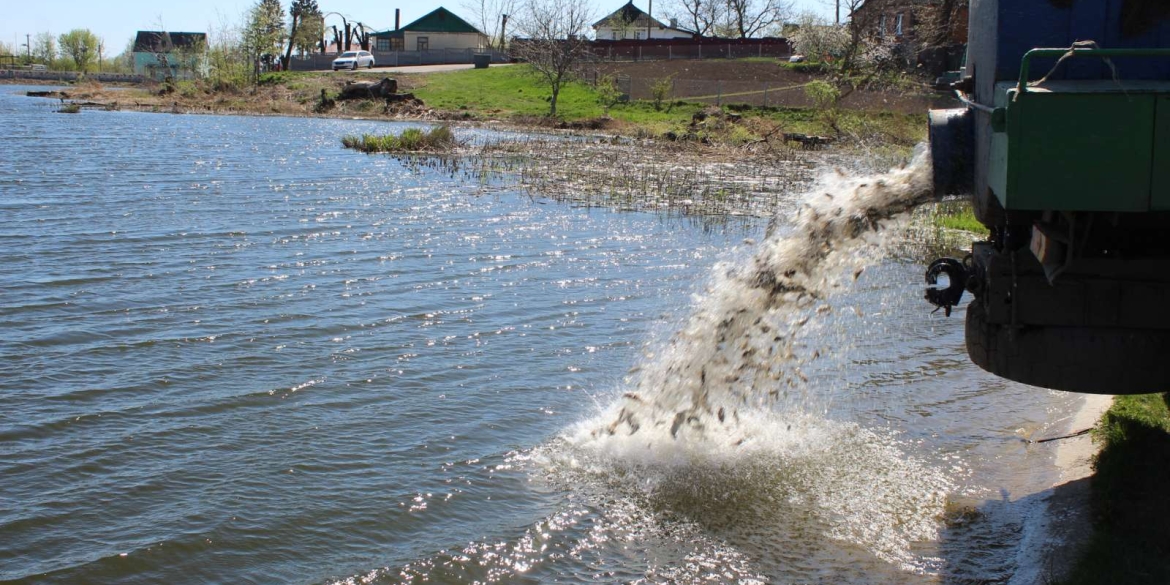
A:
{"points": [[306, 15], [264, 32], [44, 48], [555, 42], [80, 45], [308, 27]]}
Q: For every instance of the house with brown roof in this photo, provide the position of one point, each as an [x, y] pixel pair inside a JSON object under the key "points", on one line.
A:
{"points": [[630, 23]]}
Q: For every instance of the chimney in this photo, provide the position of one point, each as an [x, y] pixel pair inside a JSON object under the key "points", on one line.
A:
{"points": [[674, 23], [397, 14]]}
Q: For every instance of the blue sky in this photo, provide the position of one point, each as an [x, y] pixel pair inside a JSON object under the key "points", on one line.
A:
{"points": [[116, 22]]}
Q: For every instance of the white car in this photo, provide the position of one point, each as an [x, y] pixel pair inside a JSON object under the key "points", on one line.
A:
{"points": [[353, 60]]}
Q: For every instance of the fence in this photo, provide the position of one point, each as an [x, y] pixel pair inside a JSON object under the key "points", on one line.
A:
{"points": [[669, 49], [319, 62], [69, 76]]}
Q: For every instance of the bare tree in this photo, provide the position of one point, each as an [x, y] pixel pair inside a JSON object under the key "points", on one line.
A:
{"points": [[749, 18], [866, 29], [490, 16], [555, 42], [701, 16]]}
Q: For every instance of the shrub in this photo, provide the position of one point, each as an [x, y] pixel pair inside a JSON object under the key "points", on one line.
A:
{"points": [[437, 139], [608, 92], [660, 90]]}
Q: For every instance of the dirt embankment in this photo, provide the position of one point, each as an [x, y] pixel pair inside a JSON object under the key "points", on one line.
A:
{"points": [[756, 83], [303, 99]]}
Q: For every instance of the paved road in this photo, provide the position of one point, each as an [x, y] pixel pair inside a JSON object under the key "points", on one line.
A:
{"points": [[416, 69]]}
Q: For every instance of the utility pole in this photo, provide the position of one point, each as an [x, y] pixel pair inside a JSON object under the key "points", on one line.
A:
{"points": [[649, 22], [838, 11], [28, 47]]}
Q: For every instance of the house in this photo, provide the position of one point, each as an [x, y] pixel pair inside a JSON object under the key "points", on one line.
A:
{"points": [[439, 30], [161, 54], [906, 21], [630, 22]]}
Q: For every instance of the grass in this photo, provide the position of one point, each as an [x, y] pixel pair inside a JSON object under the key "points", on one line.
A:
{"points": [[502, 92], [1131, 509], [437, 139], [957, 215], [515, 93]]}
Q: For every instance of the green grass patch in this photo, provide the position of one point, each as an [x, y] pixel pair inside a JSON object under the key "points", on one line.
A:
{"points": [[1131, 508], [957, 215], [504, 92], [412, 140], [515, 92]]}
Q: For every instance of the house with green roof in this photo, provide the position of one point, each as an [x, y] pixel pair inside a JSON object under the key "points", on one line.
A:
{"points": [[439, 30]]}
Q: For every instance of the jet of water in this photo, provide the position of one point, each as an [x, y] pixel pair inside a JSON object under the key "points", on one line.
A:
{"points": [[736, 350]]}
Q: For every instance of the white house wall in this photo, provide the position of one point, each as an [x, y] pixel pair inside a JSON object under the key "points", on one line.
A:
{"points": [[606, 33], [441, 40]]}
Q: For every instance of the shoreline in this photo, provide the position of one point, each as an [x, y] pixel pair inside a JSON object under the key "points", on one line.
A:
{"points": [[1056, 535]]}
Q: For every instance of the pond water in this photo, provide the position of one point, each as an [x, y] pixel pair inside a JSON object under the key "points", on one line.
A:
{"points": [[232, 351]]}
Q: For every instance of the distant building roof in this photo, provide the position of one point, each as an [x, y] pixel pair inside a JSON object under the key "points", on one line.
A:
{"points": [[439, 20], [153, 41], [630, 16]]}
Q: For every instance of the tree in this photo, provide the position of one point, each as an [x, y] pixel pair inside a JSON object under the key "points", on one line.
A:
{"points": [[868, 43], [310, 29], [230, 65], [80, 45], [489, 15], [701, 16], [817, 38], [608, 92], [7, 50], [304, 13], [749, 18], [44, 49], [264, 32], [555, 42]]}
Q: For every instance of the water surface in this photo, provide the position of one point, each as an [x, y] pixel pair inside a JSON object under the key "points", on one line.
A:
{"points": [[231, 351]]}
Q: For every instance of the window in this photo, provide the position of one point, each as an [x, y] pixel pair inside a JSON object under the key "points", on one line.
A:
{"points": [[638, 35], [397, 44], [383, 44], [424, 44], [898, 24], [882, 27], [615, 35]]}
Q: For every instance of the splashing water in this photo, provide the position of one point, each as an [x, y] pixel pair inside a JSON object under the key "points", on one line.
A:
{"points": [[700, 466], [737, 349], [704, 433]]}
